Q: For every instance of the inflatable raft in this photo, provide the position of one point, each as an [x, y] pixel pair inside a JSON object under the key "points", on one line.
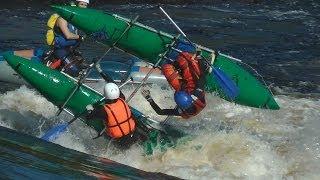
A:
{"points": [[57, 87], [155, 47]]}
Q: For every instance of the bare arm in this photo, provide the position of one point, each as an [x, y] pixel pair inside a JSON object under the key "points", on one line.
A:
{"points": [[63, 25]]}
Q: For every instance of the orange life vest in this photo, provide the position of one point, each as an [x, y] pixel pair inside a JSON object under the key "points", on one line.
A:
{"points": [[198, 105], [190, 72], [119, 121]]}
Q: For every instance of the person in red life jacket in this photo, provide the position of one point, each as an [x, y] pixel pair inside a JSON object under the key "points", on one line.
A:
{"points": [[116, 114], [184, 73], [186, 76]]}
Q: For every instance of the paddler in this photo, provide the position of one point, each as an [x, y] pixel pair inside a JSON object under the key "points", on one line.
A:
{"points": [[120, 125], [186, 76], [65, 38]]}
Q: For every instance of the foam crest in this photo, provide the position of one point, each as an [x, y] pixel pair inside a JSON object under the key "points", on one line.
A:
{"points": [[227, 140], [25, 99]]}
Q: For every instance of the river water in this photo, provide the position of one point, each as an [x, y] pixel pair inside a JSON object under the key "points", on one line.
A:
{"points": [[279, 39]]}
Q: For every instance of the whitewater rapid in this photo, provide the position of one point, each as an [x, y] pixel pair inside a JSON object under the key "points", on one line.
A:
{"points": [[228, 141]]}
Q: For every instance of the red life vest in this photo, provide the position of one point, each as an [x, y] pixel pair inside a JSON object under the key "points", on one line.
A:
{"points": [[198, 103], [190, 72], [172, 76], [119, 120], [55, 64]]}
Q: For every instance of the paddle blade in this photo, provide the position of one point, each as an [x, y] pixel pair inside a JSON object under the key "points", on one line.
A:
{"points": [[54, 132], [227, 85]]}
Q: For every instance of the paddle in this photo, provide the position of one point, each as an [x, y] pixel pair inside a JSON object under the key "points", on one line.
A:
{"points": [[59, 129], [55, 132], [227, 85]]}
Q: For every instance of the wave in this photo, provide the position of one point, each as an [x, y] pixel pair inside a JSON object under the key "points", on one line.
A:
{"points": [[226, 140]]}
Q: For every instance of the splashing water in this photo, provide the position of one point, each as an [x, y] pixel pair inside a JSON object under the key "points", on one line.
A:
{"points": [[226, 141], [23, 100]]}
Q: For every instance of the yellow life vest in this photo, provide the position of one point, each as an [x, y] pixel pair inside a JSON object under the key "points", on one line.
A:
{"points": [[50, 33]]}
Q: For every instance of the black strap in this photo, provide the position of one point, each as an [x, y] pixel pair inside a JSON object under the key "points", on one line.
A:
{"points": [[125, 107]]}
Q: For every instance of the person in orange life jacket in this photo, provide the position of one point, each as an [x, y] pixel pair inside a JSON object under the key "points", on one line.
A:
{"points": [[66, 39], [120, 124], [186, 77]]}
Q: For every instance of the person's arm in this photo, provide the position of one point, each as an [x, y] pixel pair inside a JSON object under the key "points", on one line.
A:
{"points": [[157, 109], [94, 113], [108, 79], [63, 25]]}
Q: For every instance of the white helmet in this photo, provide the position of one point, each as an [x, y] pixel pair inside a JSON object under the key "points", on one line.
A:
{"points": [[86, 1], [111, 91]]}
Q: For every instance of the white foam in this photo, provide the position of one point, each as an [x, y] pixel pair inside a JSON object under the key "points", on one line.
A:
{"points": [[231, 141], [71, 141], [4, 124], [24, 99]]}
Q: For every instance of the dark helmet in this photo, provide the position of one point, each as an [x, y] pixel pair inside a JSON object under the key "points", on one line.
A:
{"points": [[183, 99]]}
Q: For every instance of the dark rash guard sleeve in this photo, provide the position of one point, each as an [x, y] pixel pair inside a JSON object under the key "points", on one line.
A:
{"points": [[97, 113], [107, 78], [170, 112]]}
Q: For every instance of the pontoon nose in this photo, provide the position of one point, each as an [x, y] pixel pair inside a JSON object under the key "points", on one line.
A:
{"points": [[63, 11], [14, 62], [272, 104]]}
